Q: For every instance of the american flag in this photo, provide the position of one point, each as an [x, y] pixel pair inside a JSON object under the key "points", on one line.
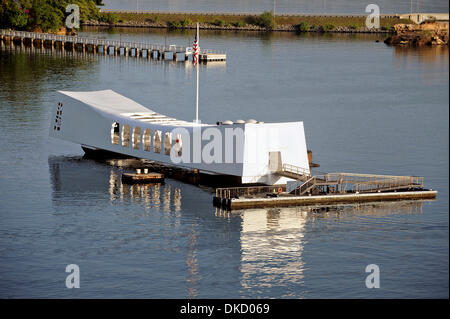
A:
{"points": [[195, 49]]}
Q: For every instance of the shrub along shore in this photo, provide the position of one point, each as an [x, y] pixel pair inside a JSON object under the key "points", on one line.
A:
{"points": [[258, 22]]}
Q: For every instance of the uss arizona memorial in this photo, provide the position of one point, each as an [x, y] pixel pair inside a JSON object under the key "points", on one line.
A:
{"points": [[252, 152]]}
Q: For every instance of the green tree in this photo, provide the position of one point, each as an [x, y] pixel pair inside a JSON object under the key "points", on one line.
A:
{"points": [[219, 22], [266, 20], [45, 14], [108, 17], [88, 9], [13, 14], [328, 27], [19, 20], [302, 27]]}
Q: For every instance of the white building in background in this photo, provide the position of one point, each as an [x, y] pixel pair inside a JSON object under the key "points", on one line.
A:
{"points": [[418, 18]]}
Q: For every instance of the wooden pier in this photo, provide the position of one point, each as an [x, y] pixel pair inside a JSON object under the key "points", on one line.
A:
{"points": [[108, 47]]}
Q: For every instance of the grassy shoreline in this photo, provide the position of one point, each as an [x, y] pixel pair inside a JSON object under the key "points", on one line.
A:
{"points": [[246, 22]]}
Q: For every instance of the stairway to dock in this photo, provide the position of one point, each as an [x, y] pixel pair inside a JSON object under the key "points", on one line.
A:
{"points": [[295, 172]]}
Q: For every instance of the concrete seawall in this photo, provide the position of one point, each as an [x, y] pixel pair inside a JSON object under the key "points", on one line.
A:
{"points": [[341, 23]]}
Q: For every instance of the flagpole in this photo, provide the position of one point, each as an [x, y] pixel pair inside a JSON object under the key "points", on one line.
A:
{"points": [[196, 96]]}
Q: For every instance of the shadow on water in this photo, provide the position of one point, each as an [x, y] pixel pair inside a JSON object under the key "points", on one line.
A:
{"points": [[78, 178]]}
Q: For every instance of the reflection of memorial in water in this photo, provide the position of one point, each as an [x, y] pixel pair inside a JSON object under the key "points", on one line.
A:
{"points": [[271, 247], [79, 181], [273, 240], [151, 195], [73, 178]]}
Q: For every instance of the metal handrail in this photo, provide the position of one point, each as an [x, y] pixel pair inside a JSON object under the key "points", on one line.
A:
{"points": [[344, 181], [235, 192], [306, 185], [295, 169], [361, 182]]}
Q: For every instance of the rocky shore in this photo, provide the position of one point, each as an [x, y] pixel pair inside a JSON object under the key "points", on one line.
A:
{"points": [[420, 35]]}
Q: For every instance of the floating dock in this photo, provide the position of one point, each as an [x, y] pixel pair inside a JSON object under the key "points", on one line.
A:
{"points": [[108, 47], [283, 201], [325, 189]]}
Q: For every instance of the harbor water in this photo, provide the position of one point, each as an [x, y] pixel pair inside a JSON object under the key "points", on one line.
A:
{"points": [[366, 107]]}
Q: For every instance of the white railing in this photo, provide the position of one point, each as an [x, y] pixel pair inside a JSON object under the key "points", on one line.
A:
{"points": [[365, 183], [102, 42], [295, 169]]}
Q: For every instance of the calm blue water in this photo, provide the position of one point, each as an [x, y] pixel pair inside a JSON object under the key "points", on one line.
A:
{"points": [[281, 6], [367, 108]]}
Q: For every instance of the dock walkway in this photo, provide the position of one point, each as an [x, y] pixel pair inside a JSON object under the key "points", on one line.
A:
{"points": [[283, 201], [110, 47]]}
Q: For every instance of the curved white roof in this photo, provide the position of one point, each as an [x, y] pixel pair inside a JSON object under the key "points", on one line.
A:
{"points": [[111, 102], [108, 101]]}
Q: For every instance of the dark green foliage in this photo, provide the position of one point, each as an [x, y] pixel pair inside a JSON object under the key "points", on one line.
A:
{"points": [[219, 22], [328, 27], [44, 14], [302, 27], [177, 24], [13, 14], [240, 24], [108, 18], [266, 20], [174, 24], [186, 22]]}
